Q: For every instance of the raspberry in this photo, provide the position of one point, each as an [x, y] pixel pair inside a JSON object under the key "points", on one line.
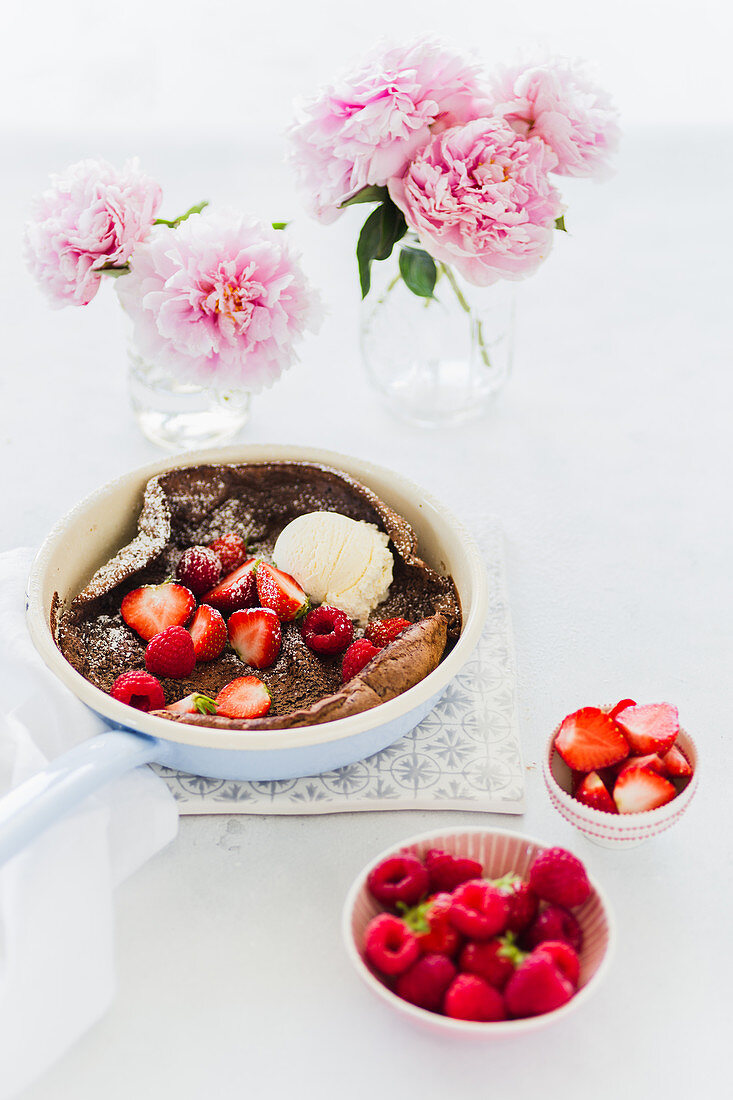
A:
{"points": [[523, 902], [327, 630], [429, 921], [389, 945], [537, 987], [471, 998], [554, 923], [479, 910], [356, 656], [199, 568], [425, 983], [399, 878], [493, 960], [231, 549], [564, 957], [447, 871], [559, 877], [139, 690], [171, 653], [383, 631]]}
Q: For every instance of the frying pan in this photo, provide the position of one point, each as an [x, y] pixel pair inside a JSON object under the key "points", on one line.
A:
{"points": [[89, 536]]}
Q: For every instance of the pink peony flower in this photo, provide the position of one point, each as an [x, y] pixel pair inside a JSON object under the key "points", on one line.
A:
{"points": [[558, 102], [91, 216], [479, 198], [366, 128], [220, 300]]}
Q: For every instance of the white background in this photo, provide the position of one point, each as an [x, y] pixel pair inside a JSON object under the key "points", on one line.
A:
{"points": [[608, 458]]}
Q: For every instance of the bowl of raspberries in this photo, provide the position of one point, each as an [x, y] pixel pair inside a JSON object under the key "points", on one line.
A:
{"points": [[621, 774], [482, 932]]}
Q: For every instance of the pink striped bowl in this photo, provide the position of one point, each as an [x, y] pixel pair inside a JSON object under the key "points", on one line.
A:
{"points": [[499, 851], [615, 830]]}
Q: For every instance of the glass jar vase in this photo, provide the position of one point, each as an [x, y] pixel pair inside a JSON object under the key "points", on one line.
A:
{"points": [[437, 361]]}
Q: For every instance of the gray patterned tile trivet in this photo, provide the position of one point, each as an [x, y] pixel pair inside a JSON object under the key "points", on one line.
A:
{"points": [[465, 755]]}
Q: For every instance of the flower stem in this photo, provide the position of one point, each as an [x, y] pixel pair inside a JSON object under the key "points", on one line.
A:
{"points": [[115, 270], [483, 350], [195, 209]]}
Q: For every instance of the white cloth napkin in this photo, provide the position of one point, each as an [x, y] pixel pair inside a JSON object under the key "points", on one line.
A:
{"points": [[57, 973]]}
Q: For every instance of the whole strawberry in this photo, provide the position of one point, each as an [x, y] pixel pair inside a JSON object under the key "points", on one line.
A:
{"points": [[559, 877], [471, 998], [199, 568], [431, 924], [479, 910], [447, 871], [389, 945], [231, 550], [523, 902], [171, 653], [493, 960], [398, 879], [537, 987], [554, 923], [563, 956], [426, 982]]}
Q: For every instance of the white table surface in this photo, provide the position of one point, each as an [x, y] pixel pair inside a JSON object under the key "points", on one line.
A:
{"points": [[608, 456]]}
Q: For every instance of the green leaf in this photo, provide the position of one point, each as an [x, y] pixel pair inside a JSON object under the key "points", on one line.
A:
{"points": [[418, 270], [196, 209], [367, 194], [204, 704], [560, 223], [379, 234], [280, 225]]}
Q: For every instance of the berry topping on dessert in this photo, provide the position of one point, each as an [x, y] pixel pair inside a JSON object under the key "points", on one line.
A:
{"points": [[559, 877], [280, 592], [231, 550], [339, 561], [255, 636], [453, 953], [199, 568], [381, 632], [171, 653], [245, 697], [235, 591], [195, 703], [589, 739], [154, 607], [327, 630], [209, 633], [647, 773], [356, 658], [139, 690]]}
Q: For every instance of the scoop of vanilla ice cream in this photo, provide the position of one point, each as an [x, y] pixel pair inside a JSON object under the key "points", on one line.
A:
{"points": [[337, 560]]}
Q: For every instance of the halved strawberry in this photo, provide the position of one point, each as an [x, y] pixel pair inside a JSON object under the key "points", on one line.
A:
{"points": [[209, 633], [621, 706], [196, 703], [254, 634], [591, 791], [235, 591], [280, 592], [652, 727], [246, 697], [640, 789], [154, 607], [652, 760], [676, 763], [589, 739]]}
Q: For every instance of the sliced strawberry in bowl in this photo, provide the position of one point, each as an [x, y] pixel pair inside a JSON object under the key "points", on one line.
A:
{"points": [[235, 591], [592, 791], [255, 636], [588, 739], [153, 608], [245, 697], [641, 789], [280, 592], [622, 705], [652, 727], [209, 633], [652, 760], [676, 763]]}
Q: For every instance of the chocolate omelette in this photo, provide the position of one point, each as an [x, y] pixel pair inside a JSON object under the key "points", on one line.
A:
{"points": [[195, 505]]}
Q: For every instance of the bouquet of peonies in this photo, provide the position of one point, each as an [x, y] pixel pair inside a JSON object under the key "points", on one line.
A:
{"points": [[463, 162], [218, 298]]}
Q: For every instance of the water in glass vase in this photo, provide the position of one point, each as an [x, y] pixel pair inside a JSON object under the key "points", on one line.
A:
{"points": [[436, 361], [178, 416]]}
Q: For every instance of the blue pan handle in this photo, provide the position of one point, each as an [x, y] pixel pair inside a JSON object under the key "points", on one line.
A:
{"points": [[30, 808]]}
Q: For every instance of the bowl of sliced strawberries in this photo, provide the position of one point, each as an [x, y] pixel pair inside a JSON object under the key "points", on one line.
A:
{"points": [[621, 774]]}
